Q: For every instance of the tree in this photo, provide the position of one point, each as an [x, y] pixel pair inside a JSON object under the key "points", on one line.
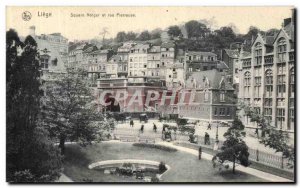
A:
{"points": [[31, 156], [121, 36], [272, 32], [271, 137], [196, 29], [155, 34], [145, 35], [234, 148], [131, 35], [69, 111], [174, 31]]}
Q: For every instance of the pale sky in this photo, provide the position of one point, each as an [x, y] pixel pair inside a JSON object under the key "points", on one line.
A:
{"points": [[145, 18]]}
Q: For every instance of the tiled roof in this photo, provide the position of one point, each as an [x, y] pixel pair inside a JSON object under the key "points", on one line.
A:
{"points": [[214, 78], [232, 53], [222, 65], [168, 45], [154, 49]]}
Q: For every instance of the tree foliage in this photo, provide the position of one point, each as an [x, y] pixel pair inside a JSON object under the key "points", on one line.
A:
{"points": [[131, 35], [121, 36], [28, 146], [196, 29], [145, 35], [234, 149], [70, 113], [174, 31], [271, 137]]}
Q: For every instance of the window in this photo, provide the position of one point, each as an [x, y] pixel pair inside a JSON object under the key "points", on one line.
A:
{"points": [[247, 83], [206, 96], [222, 96], [258, 53], [175, 75], [222, 112], [280, 117], [54, 62], [281, 50], [291, 119], [44, 61], [216, 111], [228, 111], [292, 82]]}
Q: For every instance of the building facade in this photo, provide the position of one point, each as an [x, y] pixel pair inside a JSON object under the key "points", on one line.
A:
{"points": [[267, 78], [137, 68], [213, 99]]}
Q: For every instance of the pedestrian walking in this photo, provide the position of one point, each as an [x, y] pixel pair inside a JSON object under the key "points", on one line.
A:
{"points": [[131, 123], [142, 129], [209, 126], [154, 127], [206, 139]]}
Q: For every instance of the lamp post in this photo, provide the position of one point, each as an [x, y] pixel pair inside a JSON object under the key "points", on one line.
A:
{"points": [[216, 146]]}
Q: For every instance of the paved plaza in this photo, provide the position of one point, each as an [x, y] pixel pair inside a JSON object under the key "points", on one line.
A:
{"points": [[250, 138]]}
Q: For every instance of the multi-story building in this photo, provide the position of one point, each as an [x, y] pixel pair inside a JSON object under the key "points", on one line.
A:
{"points": [[117, 67], [231, 58], [175, 75], [51, 58], [168, 50], [207, 97], [201, 61], [96, 62], [137, 68], [267, 78], [153, 63], [58, 42]]}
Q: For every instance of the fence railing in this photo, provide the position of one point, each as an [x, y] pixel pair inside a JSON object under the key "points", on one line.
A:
{"points": [[255, 155], [274, 160]]}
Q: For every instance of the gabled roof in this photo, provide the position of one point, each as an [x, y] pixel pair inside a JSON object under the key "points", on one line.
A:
{"points": [[114, 59], [214, 78], [232, 53], [222, 65], [168, 45], [154, 49]]}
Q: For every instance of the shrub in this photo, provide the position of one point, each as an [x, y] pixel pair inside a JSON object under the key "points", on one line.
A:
{"points": [[161, 147], [162, 167], [154, 179]]}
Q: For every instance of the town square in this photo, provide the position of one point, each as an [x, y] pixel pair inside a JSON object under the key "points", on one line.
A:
{"points": [[150, 95]]}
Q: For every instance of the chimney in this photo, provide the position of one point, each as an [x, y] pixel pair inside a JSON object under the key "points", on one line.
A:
{"points": [[293, 16], [32, 31]]}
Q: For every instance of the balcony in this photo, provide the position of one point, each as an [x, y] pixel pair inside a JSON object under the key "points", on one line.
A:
{"points": [[269, 59], [246, 62]]}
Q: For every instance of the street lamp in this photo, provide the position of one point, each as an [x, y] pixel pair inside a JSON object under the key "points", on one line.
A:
{"points": [[216, 146]]}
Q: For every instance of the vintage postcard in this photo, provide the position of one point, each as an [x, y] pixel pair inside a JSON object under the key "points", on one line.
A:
{"points": [[150, 94]]}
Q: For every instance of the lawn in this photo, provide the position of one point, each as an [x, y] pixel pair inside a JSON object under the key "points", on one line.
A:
{"points": [[184, 167]]}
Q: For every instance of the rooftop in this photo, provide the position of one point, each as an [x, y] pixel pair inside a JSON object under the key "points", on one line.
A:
{"points": [[214, 78]]}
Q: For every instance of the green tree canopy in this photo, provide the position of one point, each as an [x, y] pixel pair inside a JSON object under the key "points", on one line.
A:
{"points": [[196, 29], [31, 156], [121, 36], [69, 109], [174, 31], [234, 148], [145, 35]]}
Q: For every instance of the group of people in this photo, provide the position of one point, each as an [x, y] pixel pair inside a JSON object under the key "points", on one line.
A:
{"points": [[142, 126], [167, 133]]}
